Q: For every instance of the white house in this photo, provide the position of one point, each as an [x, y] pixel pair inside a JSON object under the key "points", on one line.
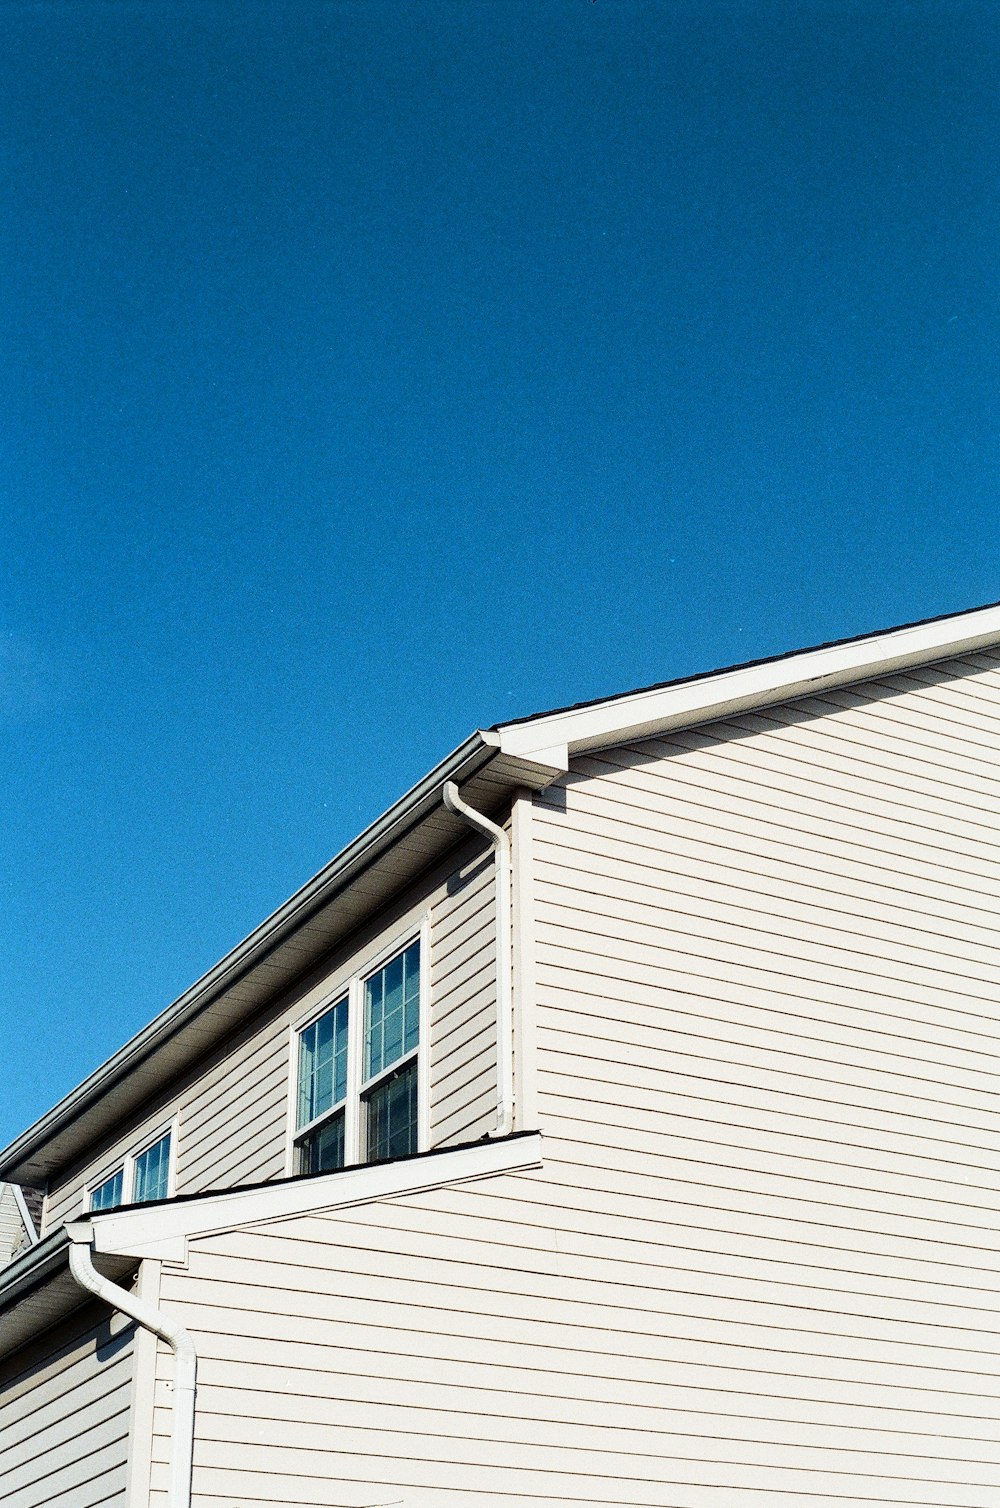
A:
{"points": [[614, 1122]]}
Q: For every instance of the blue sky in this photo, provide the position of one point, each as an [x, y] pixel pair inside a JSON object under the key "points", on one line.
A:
{"points": [[373, 371]]}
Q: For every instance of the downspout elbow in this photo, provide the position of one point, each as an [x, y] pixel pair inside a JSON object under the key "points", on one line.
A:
{"points": [[501, 845], [176, 1337]]}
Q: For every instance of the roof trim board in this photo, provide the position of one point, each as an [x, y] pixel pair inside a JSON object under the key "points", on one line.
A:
{"points": [[706, 698], [164, 1228], [37, 1290]]}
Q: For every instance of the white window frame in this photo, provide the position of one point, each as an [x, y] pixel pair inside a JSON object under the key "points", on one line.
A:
{"points": [[352, 988], [126, 1166]]}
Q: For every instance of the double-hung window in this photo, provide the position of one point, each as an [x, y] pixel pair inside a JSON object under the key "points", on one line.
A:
{"points": [[357, 1096], [143, 1174]]}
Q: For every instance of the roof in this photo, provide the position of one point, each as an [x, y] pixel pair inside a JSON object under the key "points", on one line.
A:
{"points": [[653, 710], [38, 1290], [417, 831]]}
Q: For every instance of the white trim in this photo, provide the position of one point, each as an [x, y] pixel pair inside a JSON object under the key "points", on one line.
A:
{"points": [[525, 980], [126, 1165], [25, 1214], [424, 1043], [646, 713], [355, 1041], [164, 1230], [140, 1444]]}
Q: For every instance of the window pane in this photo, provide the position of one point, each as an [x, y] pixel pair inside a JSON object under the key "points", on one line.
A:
{"points": [[323, 1149], [392, 1011], [152, 1171], [392, 1115], [108, 1193], [323, 1064]]}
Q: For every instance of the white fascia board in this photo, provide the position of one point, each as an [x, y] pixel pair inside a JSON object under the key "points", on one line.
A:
{"points": [[163, 1230], [707, 698]]}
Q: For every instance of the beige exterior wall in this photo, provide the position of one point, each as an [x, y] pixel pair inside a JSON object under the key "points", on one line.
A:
{"points": [[769, 1041], [760, 1265], [64, 1416], [232, 1117]]}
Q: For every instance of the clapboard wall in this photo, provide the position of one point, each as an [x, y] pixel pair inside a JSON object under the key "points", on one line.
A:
{"points": [[64, 1416]]}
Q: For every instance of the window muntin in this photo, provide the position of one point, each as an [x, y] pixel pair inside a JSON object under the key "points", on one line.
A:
{"points": [[355, 1098], [323, 1063], [109, 1193], [392, 1011], [391, 1120], [151, 1172], [144, 1174]]}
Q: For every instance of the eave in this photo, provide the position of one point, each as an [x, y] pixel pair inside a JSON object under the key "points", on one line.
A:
{"points": [[408, 839], [37, 1289]]}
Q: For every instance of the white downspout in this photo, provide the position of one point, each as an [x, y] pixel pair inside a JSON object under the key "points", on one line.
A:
{"points": [[501, 846], [176, 1337]]}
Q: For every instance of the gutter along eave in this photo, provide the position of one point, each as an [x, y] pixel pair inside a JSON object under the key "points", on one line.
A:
{"points": [[406, 840]]}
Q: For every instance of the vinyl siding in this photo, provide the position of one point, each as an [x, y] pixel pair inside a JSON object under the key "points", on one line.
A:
{"points": [[768, 960], [551, 1338], [12, 1232], [64, 1416], [232, 1117]]}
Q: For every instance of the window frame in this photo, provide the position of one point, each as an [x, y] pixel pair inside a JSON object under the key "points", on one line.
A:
{"points": [[126, 1166], [350, 986]]}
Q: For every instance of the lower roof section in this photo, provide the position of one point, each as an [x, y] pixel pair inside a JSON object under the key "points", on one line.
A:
{"points": [[37, 1290]]}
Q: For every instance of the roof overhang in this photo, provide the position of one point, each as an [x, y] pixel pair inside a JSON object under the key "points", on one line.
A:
{"points": [[406, 841], [557, 736], [38, 1289], [163, 1228]]}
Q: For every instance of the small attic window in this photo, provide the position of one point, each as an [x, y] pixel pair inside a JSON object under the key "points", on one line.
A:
{"points": [[144, 1174]]}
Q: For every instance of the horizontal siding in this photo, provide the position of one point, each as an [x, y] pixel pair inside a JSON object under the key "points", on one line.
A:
{"points": [[562, 1338], [768, 966], [232, 1118], [12, 1232], [463, 1024], [64, 1417]]}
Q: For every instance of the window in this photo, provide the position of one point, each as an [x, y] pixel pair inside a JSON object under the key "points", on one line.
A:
{"points": [[145, 1174], [357, 1095], [108, 1193]]}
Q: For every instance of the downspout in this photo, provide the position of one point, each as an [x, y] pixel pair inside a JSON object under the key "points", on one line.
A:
{"points": [[176, 1337], [501, 847]]}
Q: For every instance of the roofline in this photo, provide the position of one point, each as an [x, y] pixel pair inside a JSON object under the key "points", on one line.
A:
{"points": [[162, 1228], [711, 695], [459, 765], [775, 659], [34, 1267]]}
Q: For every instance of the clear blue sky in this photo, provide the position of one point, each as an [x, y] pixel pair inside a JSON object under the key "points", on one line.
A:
{"points": [[373, 370]]}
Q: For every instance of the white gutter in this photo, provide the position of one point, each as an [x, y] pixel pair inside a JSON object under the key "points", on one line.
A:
{"points": [[81, 1237], [501, 846]]}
